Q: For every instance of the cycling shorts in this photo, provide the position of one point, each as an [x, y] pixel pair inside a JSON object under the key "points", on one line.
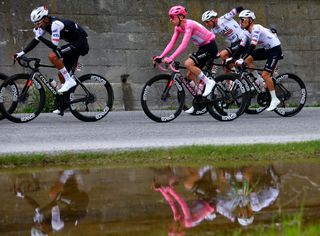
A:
{"points": [[71, 52], [204, 53], [273, 55]]}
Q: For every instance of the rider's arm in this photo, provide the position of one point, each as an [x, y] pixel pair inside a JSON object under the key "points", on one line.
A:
{"points": [[171, 43], [34, 42], [56, 27], [233, 13], [254, 41], [242, 45], [184, 43]]}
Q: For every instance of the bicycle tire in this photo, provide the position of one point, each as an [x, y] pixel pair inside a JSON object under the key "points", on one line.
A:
{"points": [[90, 109], [227, 102], [162, 109], [28, 100], [3, 78], [292, 93]]}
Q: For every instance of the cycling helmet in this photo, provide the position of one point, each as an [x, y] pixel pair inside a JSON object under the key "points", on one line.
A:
{"points": [[247, 13], [38, 13], [208, 15], [177, 10]]}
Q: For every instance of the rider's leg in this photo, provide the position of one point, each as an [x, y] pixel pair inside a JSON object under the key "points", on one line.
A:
{"points": [[274, 100], [191, 66], [57, 62]]}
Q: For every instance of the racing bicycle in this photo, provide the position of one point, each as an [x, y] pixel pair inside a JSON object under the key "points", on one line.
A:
{"points": [[289, 88], [90, 100], [163, 96]]}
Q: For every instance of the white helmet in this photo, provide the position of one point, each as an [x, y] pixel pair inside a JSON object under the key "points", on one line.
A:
{"points": [[38, 13], [247, 13], [208, 15]]}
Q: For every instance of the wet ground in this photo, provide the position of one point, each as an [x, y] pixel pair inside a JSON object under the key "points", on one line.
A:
{"points": [[155, 201]]}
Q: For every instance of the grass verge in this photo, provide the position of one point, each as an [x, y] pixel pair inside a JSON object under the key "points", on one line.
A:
{"points": [[230, 155]]}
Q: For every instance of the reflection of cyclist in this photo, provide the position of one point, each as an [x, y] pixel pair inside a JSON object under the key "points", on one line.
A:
{"points": [[246, 196], [59, 29], [200, 36], [67, 204], [184, 215], [190, 216]]}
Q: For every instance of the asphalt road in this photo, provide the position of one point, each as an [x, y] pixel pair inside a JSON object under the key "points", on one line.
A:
{"points": [[125, 130]]}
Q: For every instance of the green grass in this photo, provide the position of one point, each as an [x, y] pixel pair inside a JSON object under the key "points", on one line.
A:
{"points": [[232, 155]]}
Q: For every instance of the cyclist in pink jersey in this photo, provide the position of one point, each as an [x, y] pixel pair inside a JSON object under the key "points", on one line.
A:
{"points": [[201, 37], [270, 50]]}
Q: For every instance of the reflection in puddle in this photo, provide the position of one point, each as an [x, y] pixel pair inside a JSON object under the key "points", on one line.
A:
{"points": [[166, 201]]}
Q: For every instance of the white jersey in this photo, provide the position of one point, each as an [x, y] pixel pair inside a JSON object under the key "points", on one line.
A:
{"points": [[229, 28], [264, 37]]}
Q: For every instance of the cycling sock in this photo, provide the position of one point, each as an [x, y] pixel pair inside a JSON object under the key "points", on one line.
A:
{"points": [[204, 78], [273, 94], [65, 73]]}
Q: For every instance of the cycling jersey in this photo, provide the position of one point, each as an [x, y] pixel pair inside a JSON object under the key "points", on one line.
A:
{"points": [[64, 29], [264, 37], [229, 28], [198, 34]]}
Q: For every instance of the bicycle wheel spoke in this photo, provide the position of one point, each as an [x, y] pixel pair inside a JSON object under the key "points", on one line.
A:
{"points": [[25, 95], [292, 94], [161, 100], [93, 101], [228, 98]]}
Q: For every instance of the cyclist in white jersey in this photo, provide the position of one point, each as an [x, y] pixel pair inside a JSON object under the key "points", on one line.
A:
{"points": [[227, 27], [270, 50]]}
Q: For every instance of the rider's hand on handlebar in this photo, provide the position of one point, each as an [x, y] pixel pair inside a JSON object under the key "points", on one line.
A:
{"points": [[156, 59], [167, 60], [18, 55], [240, 62]]}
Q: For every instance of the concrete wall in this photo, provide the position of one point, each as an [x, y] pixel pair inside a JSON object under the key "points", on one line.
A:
{"points": [[125, 34]]}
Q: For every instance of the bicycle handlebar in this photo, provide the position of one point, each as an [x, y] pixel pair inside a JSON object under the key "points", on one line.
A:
{"points": [[174, 66], [32, 63]]}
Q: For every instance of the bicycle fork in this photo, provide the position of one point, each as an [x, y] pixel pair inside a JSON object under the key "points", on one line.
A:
{"points": [[165, 93]]}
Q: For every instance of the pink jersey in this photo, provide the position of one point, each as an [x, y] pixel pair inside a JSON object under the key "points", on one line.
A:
{"points": [[198, 34]]}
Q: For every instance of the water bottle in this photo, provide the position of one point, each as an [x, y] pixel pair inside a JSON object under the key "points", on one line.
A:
{"points": [[53, 82], [192, 84]]}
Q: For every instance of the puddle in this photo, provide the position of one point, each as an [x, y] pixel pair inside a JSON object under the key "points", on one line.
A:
{"points": [[153, 201]]}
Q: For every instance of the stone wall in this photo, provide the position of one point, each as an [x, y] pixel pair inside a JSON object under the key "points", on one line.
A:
{"points": [[125, 34]]}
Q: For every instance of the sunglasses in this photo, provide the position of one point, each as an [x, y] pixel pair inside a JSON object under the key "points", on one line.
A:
{"points": [[172, 17], [243, 19]]}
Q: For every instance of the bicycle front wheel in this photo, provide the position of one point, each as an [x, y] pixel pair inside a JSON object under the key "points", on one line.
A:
{"points": [[292, 93], [3, 77], [161, 99], [228, 99], [92, 99], [22, 98]]}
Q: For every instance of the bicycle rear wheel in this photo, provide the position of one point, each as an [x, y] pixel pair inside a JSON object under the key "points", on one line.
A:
{"points": [[22, 98], [228, 99], [292, 93], [161, 100], [93, 99]]}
